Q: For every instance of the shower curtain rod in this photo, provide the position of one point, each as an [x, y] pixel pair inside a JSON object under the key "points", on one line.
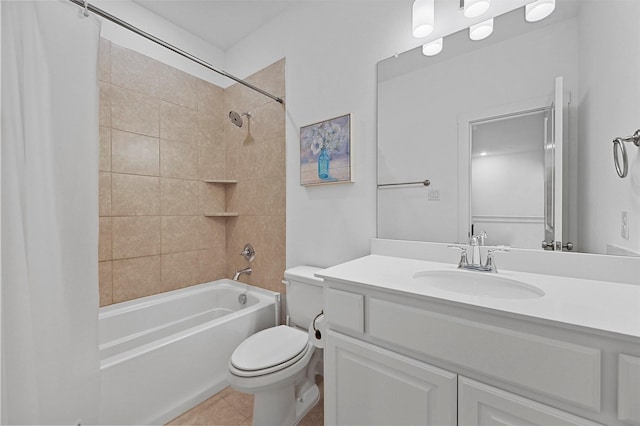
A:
{"points": [[124, 24]]}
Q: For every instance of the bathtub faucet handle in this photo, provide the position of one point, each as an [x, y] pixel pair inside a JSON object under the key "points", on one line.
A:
{"points": [[248, 253]]}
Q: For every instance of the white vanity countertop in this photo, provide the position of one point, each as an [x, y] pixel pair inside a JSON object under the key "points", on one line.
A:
{"points": [[598, 305]]}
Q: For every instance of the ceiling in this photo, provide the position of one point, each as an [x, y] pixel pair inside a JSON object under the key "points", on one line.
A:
{"points": [[221, 23]]}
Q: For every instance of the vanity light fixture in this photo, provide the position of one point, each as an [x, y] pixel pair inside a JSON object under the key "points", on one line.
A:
{"points": [[538, 10], [482, 30], [475, 8], [423, 18], [432, 48]]}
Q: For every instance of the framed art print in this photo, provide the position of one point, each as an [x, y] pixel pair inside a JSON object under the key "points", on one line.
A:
{"points": [[325, 152]]}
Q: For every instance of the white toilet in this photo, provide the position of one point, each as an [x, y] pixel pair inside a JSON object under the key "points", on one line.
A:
{"points": [[278, 365]]}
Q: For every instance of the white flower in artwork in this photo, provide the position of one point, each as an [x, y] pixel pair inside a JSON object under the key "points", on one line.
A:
{"points": [[327, 135]]}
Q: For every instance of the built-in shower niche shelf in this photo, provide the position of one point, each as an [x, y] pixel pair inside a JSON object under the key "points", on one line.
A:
{"points": [[222, 214], [221, 181]]}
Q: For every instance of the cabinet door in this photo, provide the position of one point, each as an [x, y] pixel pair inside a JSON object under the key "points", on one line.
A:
{"points": [[480, 404], [368, 385]]}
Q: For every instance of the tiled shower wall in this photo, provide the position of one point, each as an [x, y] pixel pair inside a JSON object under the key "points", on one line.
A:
{"points": [[255, 156], [162, 133]]}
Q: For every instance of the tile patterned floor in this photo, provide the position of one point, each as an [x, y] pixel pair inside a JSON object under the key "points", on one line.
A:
{"points": [[231, 408]]}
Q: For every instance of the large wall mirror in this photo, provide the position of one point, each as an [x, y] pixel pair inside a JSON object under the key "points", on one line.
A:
{"points": [[514, 133]]}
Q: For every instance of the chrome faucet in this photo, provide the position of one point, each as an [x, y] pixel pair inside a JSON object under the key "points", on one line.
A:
{"points": [[477, 241], [476, 261], [249, 254], [245, 271]]}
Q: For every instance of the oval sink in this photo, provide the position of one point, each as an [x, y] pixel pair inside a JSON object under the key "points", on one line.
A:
{"points": [[478, 284]]}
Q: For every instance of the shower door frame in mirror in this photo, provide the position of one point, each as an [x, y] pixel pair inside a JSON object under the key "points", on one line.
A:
{"points": [[552, 147]]}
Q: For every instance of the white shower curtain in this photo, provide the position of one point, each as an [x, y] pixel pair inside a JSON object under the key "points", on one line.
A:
{"points": [[49, 207]]}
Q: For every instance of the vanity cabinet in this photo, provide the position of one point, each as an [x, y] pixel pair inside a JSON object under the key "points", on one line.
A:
{"points": [[401, 359], [373, 386]]}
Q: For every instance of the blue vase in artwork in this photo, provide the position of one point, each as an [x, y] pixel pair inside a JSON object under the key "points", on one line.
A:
{"points": [[323, 164]]}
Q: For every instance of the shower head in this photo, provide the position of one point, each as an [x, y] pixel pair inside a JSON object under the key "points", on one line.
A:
{"points": [[237, 118]]}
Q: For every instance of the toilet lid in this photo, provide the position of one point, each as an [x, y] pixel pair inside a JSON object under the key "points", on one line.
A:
{"points": [[269, 348]]}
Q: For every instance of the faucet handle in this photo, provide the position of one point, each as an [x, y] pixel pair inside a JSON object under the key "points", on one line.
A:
{"points": [[463, 255], [490, 265]]}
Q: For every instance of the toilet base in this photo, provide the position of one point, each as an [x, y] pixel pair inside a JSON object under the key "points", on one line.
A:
{"points": [[276, 408], [306, 402]]}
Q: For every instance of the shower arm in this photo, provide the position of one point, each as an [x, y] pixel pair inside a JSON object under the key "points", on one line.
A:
{"points": [[86, 6]]}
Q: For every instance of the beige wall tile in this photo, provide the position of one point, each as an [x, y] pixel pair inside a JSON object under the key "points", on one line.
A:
{"points": [[134, 278], [132, 70], [104, 164], [275, 158], [268, 122], [178, 123], [180, 233], [235, 136], [104, 110], [133, 195], [178, 87], [104, 239], [271, 78], [210, 99], [252, 161], [178, 197], [104, 61], [136, 236], [180, 270], [211, 163], [134, 112], [105, 280], [135, 154], [232, 163], [212, 264], [273, 192], [211, 130], [178, 160], [239, 197], [104, 194], [211, 198], [211, 232]]}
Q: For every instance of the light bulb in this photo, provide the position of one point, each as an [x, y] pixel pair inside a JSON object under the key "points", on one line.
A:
{"points": [[482, 30], [432, 48], [538, 10], [422, 18], [475, 8]]}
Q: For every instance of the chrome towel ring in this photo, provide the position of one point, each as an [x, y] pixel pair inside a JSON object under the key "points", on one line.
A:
{"points": [[620, 153]]}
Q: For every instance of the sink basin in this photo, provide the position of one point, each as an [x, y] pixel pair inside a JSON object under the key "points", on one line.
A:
{"points": [[478, 284]]}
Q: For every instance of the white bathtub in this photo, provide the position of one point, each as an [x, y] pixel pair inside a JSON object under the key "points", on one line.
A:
{"points": [[163, 354]]}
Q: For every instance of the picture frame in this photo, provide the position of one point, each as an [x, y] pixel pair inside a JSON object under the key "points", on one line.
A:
{"points": [[325, 152]]}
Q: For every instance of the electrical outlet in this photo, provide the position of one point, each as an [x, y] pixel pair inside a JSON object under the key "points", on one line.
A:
{"points": [[433, 195], [624, 225]]}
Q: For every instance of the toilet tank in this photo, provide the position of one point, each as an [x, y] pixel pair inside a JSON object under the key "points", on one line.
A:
{"points": [[305, 295]]}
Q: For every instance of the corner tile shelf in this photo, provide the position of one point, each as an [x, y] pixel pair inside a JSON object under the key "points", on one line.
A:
{"points": [[222, 182], [222, 214]]}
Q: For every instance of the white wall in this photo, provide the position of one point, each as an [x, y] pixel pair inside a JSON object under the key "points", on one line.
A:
{"points": [[609, 107], [332, 49]]}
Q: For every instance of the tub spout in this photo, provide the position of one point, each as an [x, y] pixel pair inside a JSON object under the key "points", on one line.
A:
{"points": [[246, 271]]}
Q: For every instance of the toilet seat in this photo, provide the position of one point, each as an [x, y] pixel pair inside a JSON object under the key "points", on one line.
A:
{"points": [[269, 351]]}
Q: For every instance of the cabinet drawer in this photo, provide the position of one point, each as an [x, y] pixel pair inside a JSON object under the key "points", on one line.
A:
{"points": [[344, 310], [551, 367], [480, 404], [629, 389]]}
